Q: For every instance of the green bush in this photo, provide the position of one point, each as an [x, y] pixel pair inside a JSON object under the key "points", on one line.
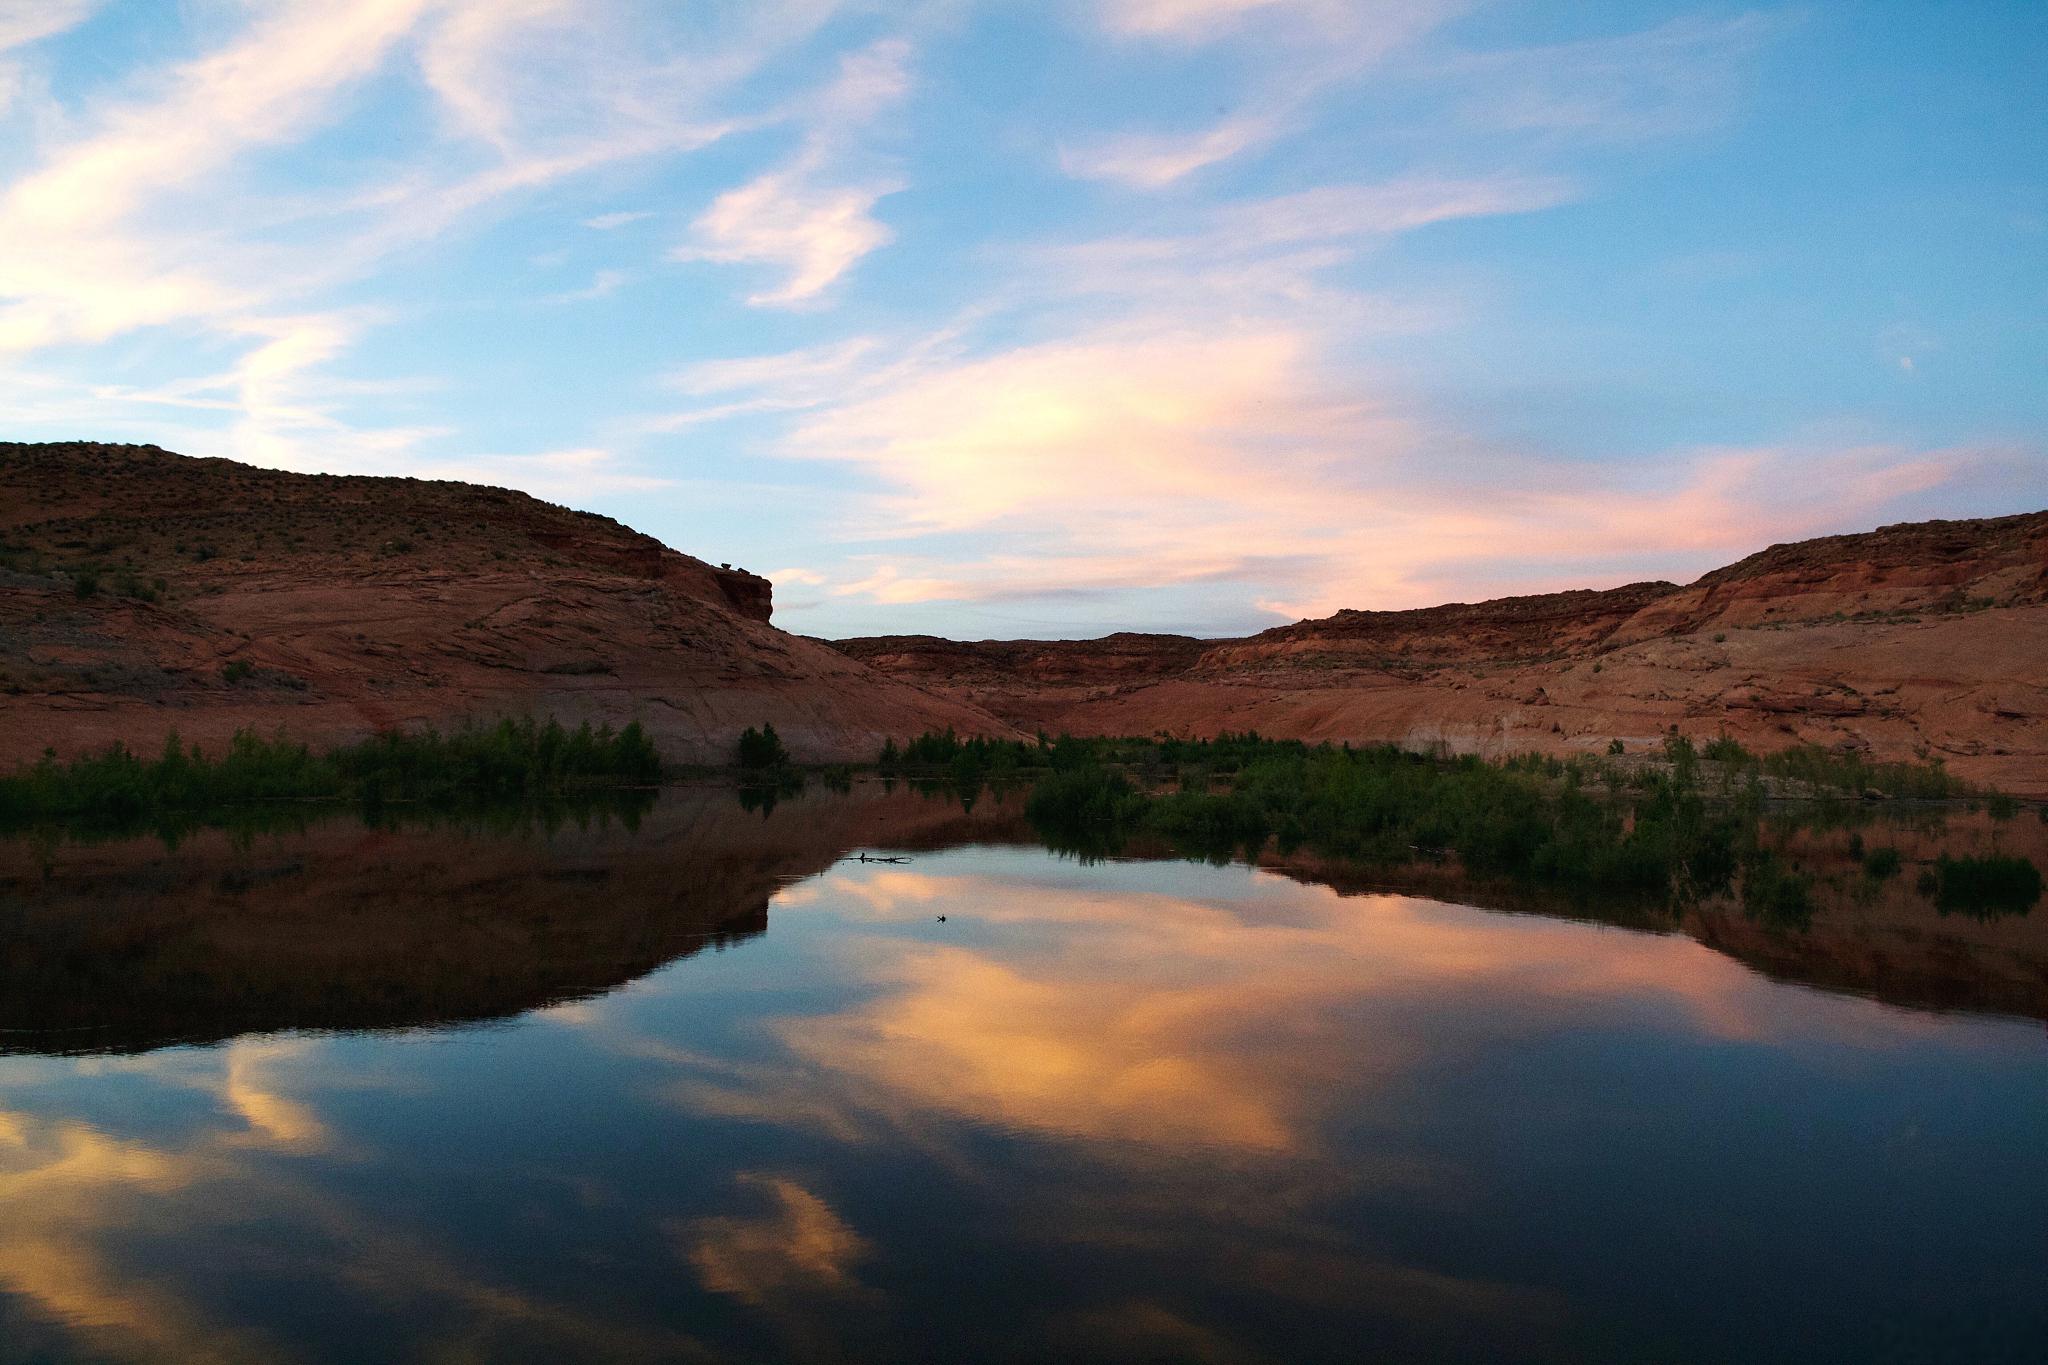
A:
{"points": [[760, 750], [1824, 771], [1530, 818], [965, 764], [1725, 750], [1525, 818], [513, 758], [1084, 809]]}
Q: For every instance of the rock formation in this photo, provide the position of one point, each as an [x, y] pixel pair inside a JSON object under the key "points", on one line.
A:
{"points": [[142, 591], [1923, 640]]}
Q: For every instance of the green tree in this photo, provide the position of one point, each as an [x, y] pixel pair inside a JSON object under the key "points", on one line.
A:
{"points": [[761, 749]]}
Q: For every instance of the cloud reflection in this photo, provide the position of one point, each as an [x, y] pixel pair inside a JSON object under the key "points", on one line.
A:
{"points": [[1164, 1021], [89, 1212], [799, 1245], [1220, 1076]]}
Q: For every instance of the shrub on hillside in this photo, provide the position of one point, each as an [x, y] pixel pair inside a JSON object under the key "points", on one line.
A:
{"points": [[762, 749]]}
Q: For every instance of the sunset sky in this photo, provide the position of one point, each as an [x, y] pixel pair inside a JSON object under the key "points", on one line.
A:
{"points": [[1053, 317]]}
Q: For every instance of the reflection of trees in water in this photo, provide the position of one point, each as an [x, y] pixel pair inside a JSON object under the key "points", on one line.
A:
{"points": [[1984, 888], [1665, 837], [1870, 923], [431, 915], [762, 794], [420, 917]]}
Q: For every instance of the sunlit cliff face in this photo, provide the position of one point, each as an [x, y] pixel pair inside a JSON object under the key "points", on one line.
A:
{"points": [[1157, 1060]]}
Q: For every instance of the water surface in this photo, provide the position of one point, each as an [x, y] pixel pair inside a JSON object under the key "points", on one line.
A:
{"points": [[712, 1089]]}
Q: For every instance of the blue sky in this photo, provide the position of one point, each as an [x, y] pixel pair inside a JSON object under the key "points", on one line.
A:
{"points": [[1052, 318]]}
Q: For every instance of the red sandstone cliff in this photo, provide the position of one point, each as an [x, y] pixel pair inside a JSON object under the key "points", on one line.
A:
{"points": [[1916, 640], [224, 596]]}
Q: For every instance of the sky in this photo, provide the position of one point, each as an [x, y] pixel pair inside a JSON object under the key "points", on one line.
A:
{"points": [[1056, 317]]}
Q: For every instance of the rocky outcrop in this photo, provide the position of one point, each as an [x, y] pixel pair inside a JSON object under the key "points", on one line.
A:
{"points": [[1922, 640], [142, 591], [1928, 567]]}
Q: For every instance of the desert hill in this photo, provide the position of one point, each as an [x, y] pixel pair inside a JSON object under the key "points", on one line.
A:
{"points": [[142, 591], [1926, 639]]}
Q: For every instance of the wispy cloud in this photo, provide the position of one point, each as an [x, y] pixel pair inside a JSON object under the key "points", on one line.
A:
{"points": [[802, 217], [1250, 359], [1288, 53], [1188, 20], [151, 212], [800, 1246], [1232, 270], [28, 21], [602, 285], [786, 219], [75, 261], [1152, 160], [1134, 463], [1202, 429], [805, 376], [1678, 77]]}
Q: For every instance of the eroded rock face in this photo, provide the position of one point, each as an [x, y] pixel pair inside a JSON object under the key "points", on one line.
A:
{"points": [[1928, 639], [226, 596]]}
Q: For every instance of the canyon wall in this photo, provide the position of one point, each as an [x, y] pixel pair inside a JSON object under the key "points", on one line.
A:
{"points": [[1927, 640], [143, 592]]}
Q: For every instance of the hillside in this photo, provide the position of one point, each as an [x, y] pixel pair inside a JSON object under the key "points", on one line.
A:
{"points": [[142, 591], [1928, 639]]}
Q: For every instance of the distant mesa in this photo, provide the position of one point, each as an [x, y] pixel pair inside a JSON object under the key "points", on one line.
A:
{"points": [[1920, 640]]}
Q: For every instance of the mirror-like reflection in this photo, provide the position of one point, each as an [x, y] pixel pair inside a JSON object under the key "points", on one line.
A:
{"points": [[711, 1089], [128, 945]]}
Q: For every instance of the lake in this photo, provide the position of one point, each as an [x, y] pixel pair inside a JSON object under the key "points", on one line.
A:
{"points": [[711, 1088]]}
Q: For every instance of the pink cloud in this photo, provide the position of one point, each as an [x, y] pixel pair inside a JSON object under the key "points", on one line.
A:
{"points": [[1150, 455]]}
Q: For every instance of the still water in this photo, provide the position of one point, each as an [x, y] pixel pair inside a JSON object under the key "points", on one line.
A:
{"points": [[713, 1089]]}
